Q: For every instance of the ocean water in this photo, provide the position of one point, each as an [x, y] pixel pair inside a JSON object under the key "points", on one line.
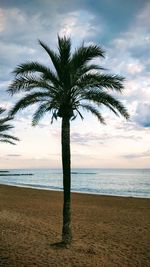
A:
{"points": [[116, 182]]}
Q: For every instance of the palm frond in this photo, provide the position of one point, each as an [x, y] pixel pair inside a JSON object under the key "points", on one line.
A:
{"points": [[6, 119], [107, 100], [33, 67], [64, 46], [53, 56], [5, 127], [40, 112], [94, 111], [2, 110], [84, 69], [28, 100], [7, 141], [83, 55], [27, 83], [92, 80], [81, 116], [54, 115], [92, 67], [8, 136]]}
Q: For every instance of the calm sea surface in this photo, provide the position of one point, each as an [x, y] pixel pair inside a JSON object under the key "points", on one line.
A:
{"points": [[117, 182]]}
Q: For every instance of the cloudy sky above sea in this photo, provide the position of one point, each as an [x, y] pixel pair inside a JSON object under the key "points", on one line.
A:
{"points": [[122, 28]]}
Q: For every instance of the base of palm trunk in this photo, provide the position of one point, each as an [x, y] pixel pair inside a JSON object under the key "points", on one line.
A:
{"points": [[66, 235], [60, 245], [67, 238]]}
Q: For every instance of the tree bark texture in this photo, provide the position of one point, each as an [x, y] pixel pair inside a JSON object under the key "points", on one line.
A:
{"points": [[66, 164]]}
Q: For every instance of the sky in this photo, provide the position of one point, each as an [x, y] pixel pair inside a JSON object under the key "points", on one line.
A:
{"points": [[122, 29]]}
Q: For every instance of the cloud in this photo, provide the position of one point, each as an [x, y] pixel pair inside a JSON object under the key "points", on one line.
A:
{"points": [[90, 137], [145, 154], [2, 21], [13, 155], [84, 139], [142, 115], [135, 67], [78, 23], [130, 56]]}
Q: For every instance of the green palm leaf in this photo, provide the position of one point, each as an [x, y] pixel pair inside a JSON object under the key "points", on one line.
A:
{"points": [[40, 112], [27, 83], [64, 46], [7, 141], [35, 67], [8, 136], [102, 81], [2, 110], [53, 56], [94, 111], [4, 127], [28, 100], [107, 100], [84, 54]]}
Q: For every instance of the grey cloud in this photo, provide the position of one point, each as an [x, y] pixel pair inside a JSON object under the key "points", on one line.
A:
{"points": [[87, 138], [84, 139], [142, 115], [130, 137], [42, 125], [131, 46], [145, 154], [106, 11], [141, 51], [85, 156], [13, 155], [126, 126]]}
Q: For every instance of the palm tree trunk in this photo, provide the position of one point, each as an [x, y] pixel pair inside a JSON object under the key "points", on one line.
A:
{"points": [[66, 164]]}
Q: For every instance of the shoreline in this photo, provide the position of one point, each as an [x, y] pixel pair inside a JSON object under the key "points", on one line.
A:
{"points": [[74, 192], [107, 230]]}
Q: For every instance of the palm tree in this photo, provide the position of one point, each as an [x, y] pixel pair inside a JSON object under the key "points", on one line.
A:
{"points": [[74, 84], [4, 127]]}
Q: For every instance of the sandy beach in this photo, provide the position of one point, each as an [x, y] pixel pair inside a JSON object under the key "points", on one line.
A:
{"points": [[107, 231]]}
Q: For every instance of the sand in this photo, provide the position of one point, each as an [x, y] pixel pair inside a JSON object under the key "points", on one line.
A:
{"points": [[107, 231]]}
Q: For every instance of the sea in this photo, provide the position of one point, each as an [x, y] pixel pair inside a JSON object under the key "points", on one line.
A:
{"points": [[112, 182]]}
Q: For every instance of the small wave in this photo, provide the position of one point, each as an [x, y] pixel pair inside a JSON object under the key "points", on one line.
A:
{"points": [[39, 186]]}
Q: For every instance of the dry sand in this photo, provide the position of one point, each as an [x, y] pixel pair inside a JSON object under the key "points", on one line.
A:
{"points": [[107, 231]]}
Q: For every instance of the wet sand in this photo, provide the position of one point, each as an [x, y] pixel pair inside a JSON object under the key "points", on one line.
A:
{"points": [[107, 231]]}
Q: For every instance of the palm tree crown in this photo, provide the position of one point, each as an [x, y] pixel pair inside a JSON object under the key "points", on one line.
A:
{"points": [[75, 84], [4, 127]]}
